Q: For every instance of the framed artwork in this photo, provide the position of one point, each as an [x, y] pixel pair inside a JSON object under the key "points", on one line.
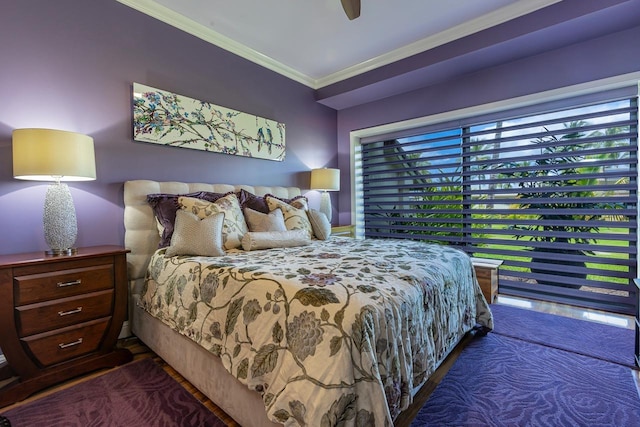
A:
{"points": [[166, 118]]}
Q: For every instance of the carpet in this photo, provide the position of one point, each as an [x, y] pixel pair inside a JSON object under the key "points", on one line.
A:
{"points": [[138, 394], [503, 381], [605, 342]]}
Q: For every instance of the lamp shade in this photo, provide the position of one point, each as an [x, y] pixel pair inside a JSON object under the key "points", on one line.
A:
{"points": [[325, 179], [52, 155]]}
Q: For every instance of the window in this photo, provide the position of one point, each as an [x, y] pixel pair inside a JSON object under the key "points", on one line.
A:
{"points": [[552, 193]]}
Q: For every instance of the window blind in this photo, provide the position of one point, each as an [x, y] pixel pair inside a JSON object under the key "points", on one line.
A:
{"points": [[551, 193]]}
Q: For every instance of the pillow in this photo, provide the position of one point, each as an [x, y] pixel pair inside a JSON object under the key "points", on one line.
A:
{"points": [[299, 202], [165, 206], [234, 225], [195, 236], [295, 218], [258, 221], [251, 201], [258, 203], [320, 224], [255, 240]]}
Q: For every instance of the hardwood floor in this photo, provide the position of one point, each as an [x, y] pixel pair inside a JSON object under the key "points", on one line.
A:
{"points": [[140, 351]]}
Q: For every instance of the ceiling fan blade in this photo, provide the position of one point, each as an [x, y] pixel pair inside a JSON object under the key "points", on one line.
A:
{"points": [[351, 8]]}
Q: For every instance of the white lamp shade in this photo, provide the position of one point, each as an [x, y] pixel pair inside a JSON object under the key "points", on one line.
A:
{"points": [[51, 155], [325, 179]]}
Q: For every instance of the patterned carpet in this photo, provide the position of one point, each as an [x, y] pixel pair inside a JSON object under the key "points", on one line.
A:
{"points": [[592, 339], [137, 394], [499, 380]]}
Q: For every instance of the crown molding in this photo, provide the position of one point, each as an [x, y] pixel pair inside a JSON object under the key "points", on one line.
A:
{"points": [[484, 22], [168, 16]]}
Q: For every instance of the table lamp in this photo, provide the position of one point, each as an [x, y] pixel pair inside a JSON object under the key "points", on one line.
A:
{"points": [[55, 155], [325, 180]]}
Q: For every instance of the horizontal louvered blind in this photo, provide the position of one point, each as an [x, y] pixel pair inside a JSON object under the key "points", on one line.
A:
{"points": [[553, 195], [411, 187]]}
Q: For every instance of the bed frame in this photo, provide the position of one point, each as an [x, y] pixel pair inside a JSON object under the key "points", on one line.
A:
{"points": [[194, 363]]}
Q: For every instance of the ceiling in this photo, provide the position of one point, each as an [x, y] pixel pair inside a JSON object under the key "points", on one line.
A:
{"points": [[314, 43]]}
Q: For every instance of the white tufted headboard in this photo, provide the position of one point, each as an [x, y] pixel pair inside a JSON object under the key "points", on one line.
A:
{"points": [[141, 235]]}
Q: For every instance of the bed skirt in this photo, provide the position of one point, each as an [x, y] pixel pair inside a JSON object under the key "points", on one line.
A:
{"points": [[203, 370]]}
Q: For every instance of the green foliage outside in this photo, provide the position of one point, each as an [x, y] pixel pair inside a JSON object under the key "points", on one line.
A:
{"points": [[544, 191]]}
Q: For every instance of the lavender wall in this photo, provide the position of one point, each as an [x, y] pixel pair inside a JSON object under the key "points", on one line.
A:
{"points": [[602, 57], [70, 64]]}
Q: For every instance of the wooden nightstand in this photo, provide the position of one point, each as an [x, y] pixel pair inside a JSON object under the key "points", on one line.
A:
{"points": [[487, 275], [60, 317]]}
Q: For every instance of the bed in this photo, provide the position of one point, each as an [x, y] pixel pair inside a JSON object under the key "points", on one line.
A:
{"points": [[325, 332]]}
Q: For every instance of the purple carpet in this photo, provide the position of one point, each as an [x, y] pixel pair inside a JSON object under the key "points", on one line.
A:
{"points": [[592, 339], [138, 394], [502, 381]]}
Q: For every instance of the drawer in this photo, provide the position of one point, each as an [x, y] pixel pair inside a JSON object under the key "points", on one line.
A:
{"points": [[39, 287], [45, 316], [57, 346]]}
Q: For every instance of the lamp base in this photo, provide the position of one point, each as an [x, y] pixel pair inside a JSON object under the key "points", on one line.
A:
{"points": [[325, 204], [59, 218], [62, 252]]}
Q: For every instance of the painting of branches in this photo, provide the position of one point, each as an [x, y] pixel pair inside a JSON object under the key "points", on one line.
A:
{"points": [[162, 117]]}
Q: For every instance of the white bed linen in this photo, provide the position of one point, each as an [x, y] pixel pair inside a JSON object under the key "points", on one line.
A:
{"points": [[337, 330]]}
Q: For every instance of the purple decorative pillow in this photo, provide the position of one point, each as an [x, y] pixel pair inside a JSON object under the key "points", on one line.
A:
{"points": [[259, 203], [165, 207], [251, 201]]}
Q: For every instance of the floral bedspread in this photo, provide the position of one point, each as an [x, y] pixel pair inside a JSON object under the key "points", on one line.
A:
{"points": [[335, 333]]}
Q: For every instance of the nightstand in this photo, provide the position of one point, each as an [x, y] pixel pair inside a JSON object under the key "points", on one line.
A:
{"points": [[344, 231], [487, 275], [60, 317]]}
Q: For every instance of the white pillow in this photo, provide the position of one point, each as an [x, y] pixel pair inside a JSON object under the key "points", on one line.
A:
{"points": [[320, 224], [234, 225], [258, 221], [295, 218], [195, 236], [255, 240]]}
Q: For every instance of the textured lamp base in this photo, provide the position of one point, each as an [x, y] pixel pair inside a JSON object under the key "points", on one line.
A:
{"points": [[325, 204], [60, 224]]}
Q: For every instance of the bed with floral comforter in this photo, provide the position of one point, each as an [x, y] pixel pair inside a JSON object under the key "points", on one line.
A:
{"points": [[341, 330]]}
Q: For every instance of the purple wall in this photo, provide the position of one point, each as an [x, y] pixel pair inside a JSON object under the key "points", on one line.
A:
{"points": [[558, 25], [70, 64]]}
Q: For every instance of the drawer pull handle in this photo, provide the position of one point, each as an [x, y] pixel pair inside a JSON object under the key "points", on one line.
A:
{"points": [[66, 313], [72, 283], [70, 344]]}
